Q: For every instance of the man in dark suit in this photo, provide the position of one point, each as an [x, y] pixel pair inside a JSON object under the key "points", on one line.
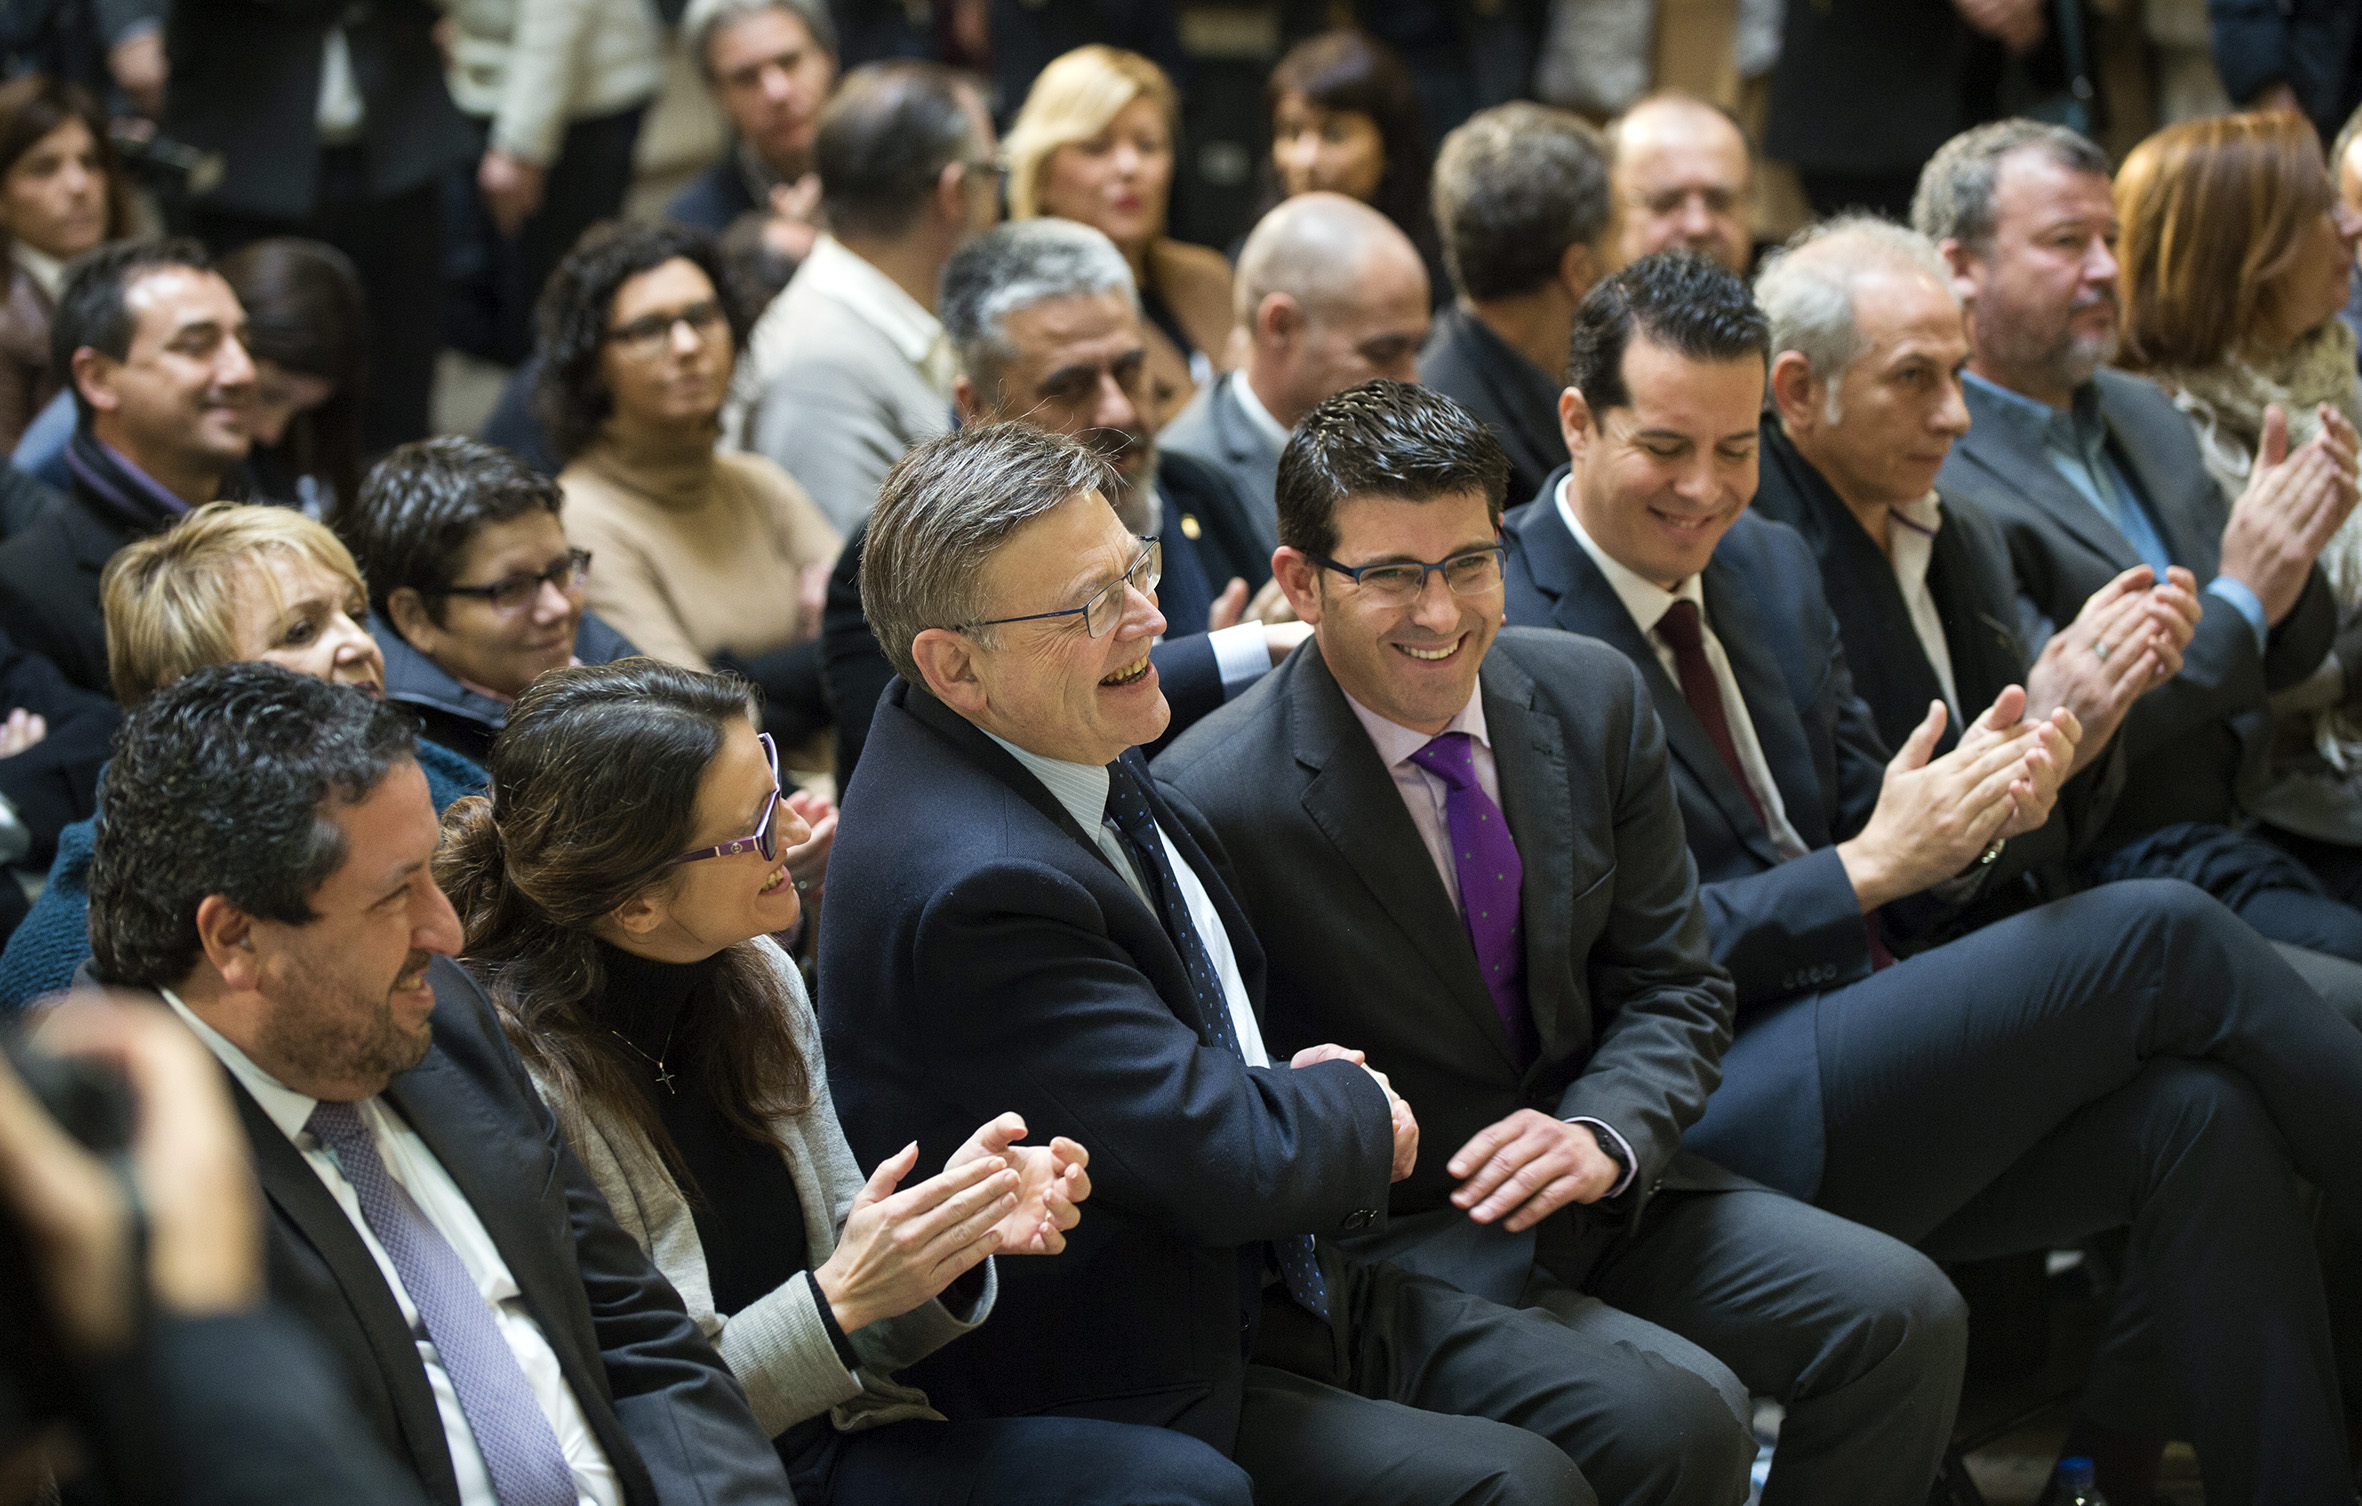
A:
{"points": [[1521, 201], [2066, 1070], [1018, 915], [1330, 293], [2089, 472], [505, 1337], [154, 343], [1047, 323], [1551, 1006]]}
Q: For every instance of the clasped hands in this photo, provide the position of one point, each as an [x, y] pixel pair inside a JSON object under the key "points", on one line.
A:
{"points": [[901, 1248]]}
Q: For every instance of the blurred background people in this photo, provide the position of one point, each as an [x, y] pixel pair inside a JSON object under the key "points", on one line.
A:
{"points": [[1346, 118], [706, 558], [1095, 144], [306, 329], [770, 66], [2303, 55], [1682, 181], [62, 191]]}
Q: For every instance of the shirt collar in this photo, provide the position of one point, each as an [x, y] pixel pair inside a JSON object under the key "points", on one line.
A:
{"points": [[1396, 742], [1924, 515], [1258, 415], [47, 272], [1080, 787], [870, 293], [288, 1109], [1643, 598], [2075, 428]]}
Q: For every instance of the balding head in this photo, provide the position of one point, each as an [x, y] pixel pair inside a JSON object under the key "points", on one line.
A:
{"points": [[1681, 178], [1333, 294]]}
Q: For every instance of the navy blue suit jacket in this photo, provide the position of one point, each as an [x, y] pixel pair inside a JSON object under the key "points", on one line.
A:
{"points": [[979, 954]]}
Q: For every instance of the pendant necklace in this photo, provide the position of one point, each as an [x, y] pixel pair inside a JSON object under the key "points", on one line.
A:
{"points": [[663, 1078]]}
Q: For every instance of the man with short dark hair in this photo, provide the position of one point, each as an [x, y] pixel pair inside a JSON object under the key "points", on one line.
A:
{"points": [[2089, 472], [509, 1342], [154, 344], [2130, 1055], [1522, 204], [1460, 847], [849, 367]]}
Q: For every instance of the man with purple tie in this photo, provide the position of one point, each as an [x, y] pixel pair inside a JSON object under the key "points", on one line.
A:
{"points": [[1460, 848]]}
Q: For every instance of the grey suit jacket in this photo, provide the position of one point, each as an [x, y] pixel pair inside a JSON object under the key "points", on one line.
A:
{"points": [[1631, 1013], [2194, 744], [1215, 429]]}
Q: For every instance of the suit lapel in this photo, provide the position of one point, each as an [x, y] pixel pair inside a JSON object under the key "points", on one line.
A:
{"points": [[1352, 798], [1529, 755], [2185, 543], [1779, 732], [996, 760], [2032, 477]]}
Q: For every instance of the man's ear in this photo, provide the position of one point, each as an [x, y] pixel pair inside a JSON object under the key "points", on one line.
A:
{"points": [[1299, 581], [951, 194], [966, 400], [1795, 391], [1578, 269], [92, 372], [1964, 264], [226, 935], [1279, 319], [947, 662], [406, 609], [1574, 424]]}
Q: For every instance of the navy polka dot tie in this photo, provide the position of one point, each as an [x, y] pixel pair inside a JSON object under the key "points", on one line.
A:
{"points": [[1127, 805]]}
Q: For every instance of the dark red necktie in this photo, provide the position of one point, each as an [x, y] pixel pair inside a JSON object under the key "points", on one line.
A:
{"points": [[1681, 627]]}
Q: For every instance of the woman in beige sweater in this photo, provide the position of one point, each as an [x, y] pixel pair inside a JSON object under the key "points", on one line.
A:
{"points": [[707, 559]]}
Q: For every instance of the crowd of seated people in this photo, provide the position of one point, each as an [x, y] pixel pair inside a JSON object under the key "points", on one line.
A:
{"points": [[983, 855]]}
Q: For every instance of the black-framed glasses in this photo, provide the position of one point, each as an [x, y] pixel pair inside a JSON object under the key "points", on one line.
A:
{"points": [[644, 337], [1106, 607], [765, 839], [514, 593], [1399, 582]]}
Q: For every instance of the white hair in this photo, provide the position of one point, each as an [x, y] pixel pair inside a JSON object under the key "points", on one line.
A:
{"points": [[1012, 267], [1806, 289]]}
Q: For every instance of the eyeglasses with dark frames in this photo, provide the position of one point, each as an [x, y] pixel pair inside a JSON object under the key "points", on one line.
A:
{"points": [[514, 593], [765, 839], [644, 337], [1400, 582], [1106, 607]]}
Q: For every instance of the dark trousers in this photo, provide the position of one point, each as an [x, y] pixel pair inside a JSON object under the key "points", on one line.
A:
{"points": [[2135, 1055], [1018, 1461], [396, 247]]}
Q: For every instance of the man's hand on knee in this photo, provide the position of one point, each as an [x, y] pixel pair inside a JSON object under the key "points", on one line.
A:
{"points": [[1529, 1166]]}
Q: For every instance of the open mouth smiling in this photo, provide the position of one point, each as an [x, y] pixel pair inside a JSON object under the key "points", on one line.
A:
{"points": [[1130, 675]]}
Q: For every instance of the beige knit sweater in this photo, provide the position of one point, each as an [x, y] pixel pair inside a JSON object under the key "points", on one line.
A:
{"points": [[693, 551]]}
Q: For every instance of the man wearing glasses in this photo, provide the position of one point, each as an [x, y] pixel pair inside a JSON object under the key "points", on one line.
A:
{"points": [[1020, 918]]}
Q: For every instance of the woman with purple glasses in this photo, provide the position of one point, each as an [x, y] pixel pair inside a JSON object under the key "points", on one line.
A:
{"points": [[619, 888]]}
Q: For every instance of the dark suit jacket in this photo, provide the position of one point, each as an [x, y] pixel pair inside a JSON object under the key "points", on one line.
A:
{"points": [[981, 955], [1216, 431], [671, 1418], [49, 588], [1780, 928], [54, 782], [1367, 949], [1870, 86], [2188, 744], [1976, 600], [246, 84], [1466, 362]]}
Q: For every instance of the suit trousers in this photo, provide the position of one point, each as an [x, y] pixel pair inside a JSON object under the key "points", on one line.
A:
{"points": [[1018, 1461], [2132, 1055]]}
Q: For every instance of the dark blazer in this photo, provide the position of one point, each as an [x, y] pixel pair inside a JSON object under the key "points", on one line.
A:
{"points": [[1215, 430], [2189, 743], [980, 955], [49, 587], [671, 1418], [54, 782], [1466, 362], [1366, 947], [246, 84], [1870, 86], [714, 198], [1780, 928]]}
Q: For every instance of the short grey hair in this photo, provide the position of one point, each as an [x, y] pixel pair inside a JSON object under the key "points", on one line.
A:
{"points": [[1954, 201], [1012, 267], [705, 19], [1515, 186], [1806, 288], [944, 511]]}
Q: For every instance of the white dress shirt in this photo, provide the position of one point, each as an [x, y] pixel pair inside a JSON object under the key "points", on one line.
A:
{"points": [[1648, 602], [411, 1163], [1910, 545], [1082, 789], [881, 302]]}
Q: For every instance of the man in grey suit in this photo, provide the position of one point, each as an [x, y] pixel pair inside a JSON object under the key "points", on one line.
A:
{"points": [[1330, 294], [1527, 956], [849, 368], [2089, 472]]}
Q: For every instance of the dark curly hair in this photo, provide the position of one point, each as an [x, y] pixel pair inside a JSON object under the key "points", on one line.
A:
{"points": [[224, 782], [423, 503], [1686, 302], [1390, 439], [571, 397]]}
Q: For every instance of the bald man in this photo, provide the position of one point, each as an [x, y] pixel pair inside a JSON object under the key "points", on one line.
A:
{"points": [[1331, 294], [1680, 176]]}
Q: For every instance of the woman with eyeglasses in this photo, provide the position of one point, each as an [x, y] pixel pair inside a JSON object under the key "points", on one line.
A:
{"points": [[705, 559], [617, 890]]}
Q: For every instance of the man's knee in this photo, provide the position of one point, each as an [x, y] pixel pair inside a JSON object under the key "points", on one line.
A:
{"points": [[1906, 1316], [1677, 1438], [1530, 1470], [1169, 1466]]}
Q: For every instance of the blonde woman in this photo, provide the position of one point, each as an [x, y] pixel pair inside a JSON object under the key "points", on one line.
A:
{"points": [[1094, 143]]}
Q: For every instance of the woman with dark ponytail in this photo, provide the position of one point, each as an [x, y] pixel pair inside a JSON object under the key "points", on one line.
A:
{"points": [[619, 888]]}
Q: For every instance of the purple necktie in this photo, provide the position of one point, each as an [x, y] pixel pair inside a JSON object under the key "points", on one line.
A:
{"points": [[1484, 857], [520, 1449]]}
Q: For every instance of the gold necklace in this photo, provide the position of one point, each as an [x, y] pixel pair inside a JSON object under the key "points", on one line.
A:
{"points": [[663, 1078]]}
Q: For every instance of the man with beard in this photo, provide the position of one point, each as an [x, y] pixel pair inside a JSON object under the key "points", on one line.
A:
{"points": [[1046, 320], [2090, 472], [508, 1341]]}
